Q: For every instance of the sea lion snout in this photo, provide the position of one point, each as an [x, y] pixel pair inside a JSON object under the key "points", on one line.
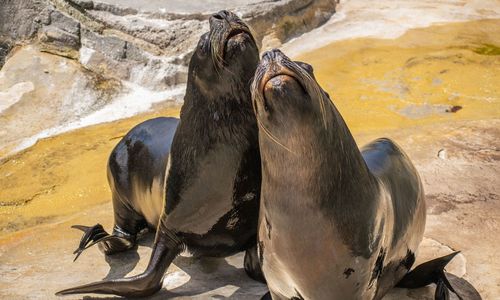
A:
{"points": [[279, 85], [229, 37], [272, 54], [221, 17], [275, 73], [230, 23]]}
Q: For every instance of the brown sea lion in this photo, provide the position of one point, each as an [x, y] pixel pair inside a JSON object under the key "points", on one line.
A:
{"points": [[335, 222]]}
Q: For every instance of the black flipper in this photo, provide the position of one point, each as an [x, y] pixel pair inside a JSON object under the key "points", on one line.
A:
{"points": [[166, 247], [117, 242], [431, 272], [267, 296], [252, 265]]}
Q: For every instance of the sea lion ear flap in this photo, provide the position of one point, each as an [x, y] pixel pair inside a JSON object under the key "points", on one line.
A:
{"points": [[307, 67]]}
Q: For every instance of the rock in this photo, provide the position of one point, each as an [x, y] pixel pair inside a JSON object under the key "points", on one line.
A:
{"points": [[277, 22], [144, 50], [442, 154], [18, 19], [64, 22], [5, 48], [109, 46], [58, 89], [62, 36], [115, 9], [151, 48], [58, 41], [85, 4]]}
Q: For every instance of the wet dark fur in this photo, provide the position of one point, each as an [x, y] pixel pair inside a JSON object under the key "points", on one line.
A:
{"points": [[217, 114], [141, 154]]}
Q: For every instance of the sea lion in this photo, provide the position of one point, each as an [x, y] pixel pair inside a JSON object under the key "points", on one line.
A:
{"points": [[136, 176], [335, 222], [213, 182]]}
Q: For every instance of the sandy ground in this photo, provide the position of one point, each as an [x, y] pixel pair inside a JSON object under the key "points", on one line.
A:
{"points": [[433, 90]]}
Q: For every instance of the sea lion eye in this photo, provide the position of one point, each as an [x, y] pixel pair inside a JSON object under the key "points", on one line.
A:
{"points": [[202, 46], [266, 106]]}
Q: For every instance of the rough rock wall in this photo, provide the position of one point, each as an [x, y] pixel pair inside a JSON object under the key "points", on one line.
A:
{"points": [[75, 63], [150, 48], [19, 20]]}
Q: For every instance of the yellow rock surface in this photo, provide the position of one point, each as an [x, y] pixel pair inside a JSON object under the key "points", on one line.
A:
{"points": [[61, 175], [414, 80]]}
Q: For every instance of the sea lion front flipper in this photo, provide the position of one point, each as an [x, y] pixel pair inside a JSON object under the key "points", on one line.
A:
{"points": [[252, 265], [108, 244], [90, 234], [273, 296], [433, 272], [166, 247]]}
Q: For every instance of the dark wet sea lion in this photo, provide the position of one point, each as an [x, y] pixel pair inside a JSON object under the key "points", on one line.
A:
{"points": [[136, 176], [335, 222], [213, 182]]}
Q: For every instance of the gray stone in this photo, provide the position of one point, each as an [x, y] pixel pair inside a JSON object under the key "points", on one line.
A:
{"points": [[151, 48], [58, 38], [85, 4], [18, 19], [116, 9], [109, 46], [64, 22], [61, 37], [5, 48], [132, 52]]}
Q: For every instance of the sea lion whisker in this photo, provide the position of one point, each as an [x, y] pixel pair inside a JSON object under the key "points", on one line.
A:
{"points": [[272, 137], [215, 38]]}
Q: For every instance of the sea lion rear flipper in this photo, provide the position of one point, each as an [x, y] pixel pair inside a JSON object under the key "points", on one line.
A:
{"points": [[267, 296], [166, 247], [109, 244], [433, 272]]}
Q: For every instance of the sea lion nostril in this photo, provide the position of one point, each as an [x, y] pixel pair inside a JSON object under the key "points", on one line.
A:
{"points": [[268, 55], [272, 54], [218, 16], [221, 15]]}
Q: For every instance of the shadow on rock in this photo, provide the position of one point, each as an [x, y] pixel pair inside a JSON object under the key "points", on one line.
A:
{"points": [[208, 277], [122, 263], [217, 276]]}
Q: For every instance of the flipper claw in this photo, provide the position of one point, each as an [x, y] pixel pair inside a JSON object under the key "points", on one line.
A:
{"points": [[91, 236]]}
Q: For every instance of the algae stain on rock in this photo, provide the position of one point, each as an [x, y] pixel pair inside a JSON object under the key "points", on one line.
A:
{"points": [[424, 77], [487, 49], [61, 175]]}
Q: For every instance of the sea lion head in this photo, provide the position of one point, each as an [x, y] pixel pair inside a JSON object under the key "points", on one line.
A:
{"points": [[288, 102], [225, 58]]}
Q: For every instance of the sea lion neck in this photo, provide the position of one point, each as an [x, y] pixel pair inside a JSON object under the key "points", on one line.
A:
{"points": [[328, 156]]}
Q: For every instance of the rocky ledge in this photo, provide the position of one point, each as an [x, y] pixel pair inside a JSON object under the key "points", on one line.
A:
{"points": [[79, 62], [149, 46]]}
